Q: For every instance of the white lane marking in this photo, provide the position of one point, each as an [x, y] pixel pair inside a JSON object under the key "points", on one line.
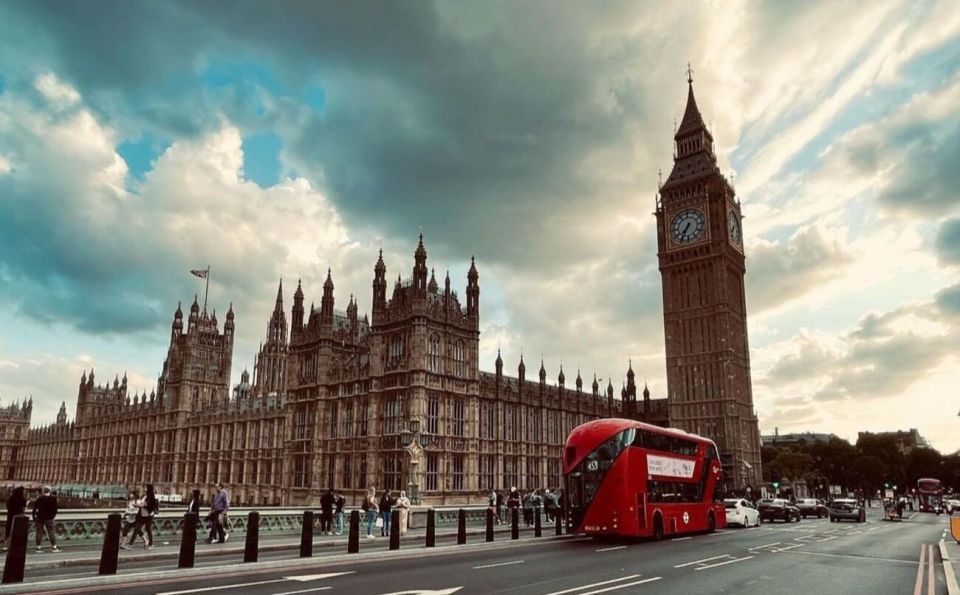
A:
{"points": [[303, 578], [610, 549], [222, 587], [822, 539], [498, 564], [624, 586], [615, 580], [758, 547], [723, 563], [701, 561], [681, 538], [870, 558], [313, 590], [789, 547]]}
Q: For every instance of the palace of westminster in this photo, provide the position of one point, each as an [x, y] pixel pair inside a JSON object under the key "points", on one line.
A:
{"points": [[398, 401]]}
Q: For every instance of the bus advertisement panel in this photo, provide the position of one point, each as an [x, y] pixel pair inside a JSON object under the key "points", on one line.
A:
{"points": [[624, 477], [930, 494]]}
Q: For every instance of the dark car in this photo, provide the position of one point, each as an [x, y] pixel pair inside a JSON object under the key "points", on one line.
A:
{"points": [[812, 507], [778, 509], [846, 508]]}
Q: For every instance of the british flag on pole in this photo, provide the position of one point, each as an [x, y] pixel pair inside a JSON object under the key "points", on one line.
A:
{"points": [[202, 273]]}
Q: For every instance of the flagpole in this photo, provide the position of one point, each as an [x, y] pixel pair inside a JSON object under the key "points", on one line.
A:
{"points": [[207, 290]]}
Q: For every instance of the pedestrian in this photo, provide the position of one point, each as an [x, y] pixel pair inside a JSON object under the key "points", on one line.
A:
{"points": [[386, 506], [403, 505], [500, 506], [16, 505], [548, 505], [492, 503], [44, 513], [370, 508], [513, 502], [528, 501], [195, 501], [130, 514], [338, 513], [218, 516], [147, 509], [327, 502]]}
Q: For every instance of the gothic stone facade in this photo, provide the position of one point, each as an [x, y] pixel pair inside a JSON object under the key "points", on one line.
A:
{"points": [[700, 248], [14, 426], [395, 401]]}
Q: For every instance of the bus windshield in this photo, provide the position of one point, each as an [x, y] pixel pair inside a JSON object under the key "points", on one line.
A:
{"points": [[586, 477]]}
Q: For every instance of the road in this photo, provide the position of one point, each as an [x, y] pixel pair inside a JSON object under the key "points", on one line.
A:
{"points": [[814, 556]]}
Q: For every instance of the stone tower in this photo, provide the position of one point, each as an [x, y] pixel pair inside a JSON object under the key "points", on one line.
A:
{"points": [[270, 368], [700, 250]]}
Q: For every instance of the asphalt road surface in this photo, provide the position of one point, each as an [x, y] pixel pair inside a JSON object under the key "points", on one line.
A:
{"points": [[814, 556]]}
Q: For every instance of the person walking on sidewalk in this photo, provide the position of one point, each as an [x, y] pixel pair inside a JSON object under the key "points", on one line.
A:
{"points": [[131, 513], [16, 505], [338, 513], [327, 502], [386, 507], [403, 505], [218, 516], [44, 513], [370, 508], [194, 506], [147, 508]]}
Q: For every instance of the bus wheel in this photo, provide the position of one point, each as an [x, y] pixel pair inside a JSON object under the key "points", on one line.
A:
{"points": [[711, 523], [657, 528]]}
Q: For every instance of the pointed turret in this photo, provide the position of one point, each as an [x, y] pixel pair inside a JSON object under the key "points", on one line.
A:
{"points": [[326, 302], [499, 364], [296, 315], [694, 154], [420, 268], [277, 326], [596, 385], [229, 325], [473, 291], [432, 285], [521, 371], [543, 373], [561, 379], [579, 381]]}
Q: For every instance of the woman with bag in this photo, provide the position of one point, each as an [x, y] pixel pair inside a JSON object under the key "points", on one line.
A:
{"points": [[148, 507], [372, 511], [131, 513], [403, 505]]}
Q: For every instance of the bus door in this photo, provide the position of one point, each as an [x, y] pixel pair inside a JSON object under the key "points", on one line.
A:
{"points": [[575, 501]]}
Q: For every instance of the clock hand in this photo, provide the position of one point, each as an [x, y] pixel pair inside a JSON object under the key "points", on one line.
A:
{"points": [[685, 228]]}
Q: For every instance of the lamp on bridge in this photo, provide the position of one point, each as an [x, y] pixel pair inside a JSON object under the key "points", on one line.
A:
{"points": [[410, 437]]}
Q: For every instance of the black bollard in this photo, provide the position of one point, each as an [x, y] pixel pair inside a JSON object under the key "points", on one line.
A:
{"points": [[489, 525], [188, 540], [306, 535], [395, 530], [514, 523], [251, 549], [461, 527], [353, 538], [17, 554], [431, 528], [559, 521], [111, 545], [537, 523]]}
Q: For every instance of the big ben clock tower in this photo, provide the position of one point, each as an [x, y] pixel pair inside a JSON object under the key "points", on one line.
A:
{"points": [[700, 249]]}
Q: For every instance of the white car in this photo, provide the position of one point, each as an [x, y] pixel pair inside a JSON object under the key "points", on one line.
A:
{"points": [[951, 505], [741, 512]]}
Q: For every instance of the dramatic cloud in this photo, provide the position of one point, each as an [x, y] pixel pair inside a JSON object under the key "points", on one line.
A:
{"points": [[948, 242]]}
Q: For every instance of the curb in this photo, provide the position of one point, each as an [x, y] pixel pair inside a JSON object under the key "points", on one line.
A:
{"points": [[237, 570], [238, 549], [952, 587]]}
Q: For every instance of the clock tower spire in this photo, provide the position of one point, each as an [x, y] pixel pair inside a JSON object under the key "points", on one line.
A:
{"points": [[702, 267]]}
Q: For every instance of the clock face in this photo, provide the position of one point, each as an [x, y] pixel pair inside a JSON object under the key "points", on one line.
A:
{"points": [[733, 228], [688, 226]]}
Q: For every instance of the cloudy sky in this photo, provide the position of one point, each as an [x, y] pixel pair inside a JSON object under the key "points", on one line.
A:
{"points": [[141, 140]]}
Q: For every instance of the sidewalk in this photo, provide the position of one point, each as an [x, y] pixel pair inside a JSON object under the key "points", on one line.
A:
{"points": [[89, 554]]}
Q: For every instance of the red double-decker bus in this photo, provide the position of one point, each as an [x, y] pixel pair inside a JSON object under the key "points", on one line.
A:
{"points": [[629, 478], [930, 494]]}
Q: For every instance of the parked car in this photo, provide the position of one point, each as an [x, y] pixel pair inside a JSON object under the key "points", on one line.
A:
{"points": [[952, 505], [778, 509], [812, 507], [847, 508], [741, 512]]}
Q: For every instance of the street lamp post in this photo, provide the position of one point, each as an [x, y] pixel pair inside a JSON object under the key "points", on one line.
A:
{"points": [[411, 442]]}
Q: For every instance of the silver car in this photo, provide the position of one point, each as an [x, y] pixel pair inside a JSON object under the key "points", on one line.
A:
{"points": [[847, 508]]}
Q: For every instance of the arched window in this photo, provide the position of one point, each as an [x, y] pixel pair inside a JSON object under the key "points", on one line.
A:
{"points": [[396, 347], [433, 353], [459, 369]]}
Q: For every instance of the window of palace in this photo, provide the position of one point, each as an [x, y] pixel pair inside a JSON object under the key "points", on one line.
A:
{"points": [[364, 417], [333, 421], [433, 467], [553, 472], [511, 471], [487, 465], [459, 364], [458, 472], [347, 472], [392, 467], [459, 418], [533, 479], [348, 420], [433, 353], [433, 415], [391, 415], [396, 347], [487, 421]]}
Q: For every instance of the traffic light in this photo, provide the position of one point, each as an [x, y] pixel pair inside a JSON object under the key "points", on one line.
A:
{"points": [[886, 485], [776, 485]]}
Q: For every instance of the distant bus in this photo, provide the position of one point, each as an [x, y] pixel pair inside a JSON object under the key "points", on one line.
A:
{"points": [[930, 493], [624, 477]]}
